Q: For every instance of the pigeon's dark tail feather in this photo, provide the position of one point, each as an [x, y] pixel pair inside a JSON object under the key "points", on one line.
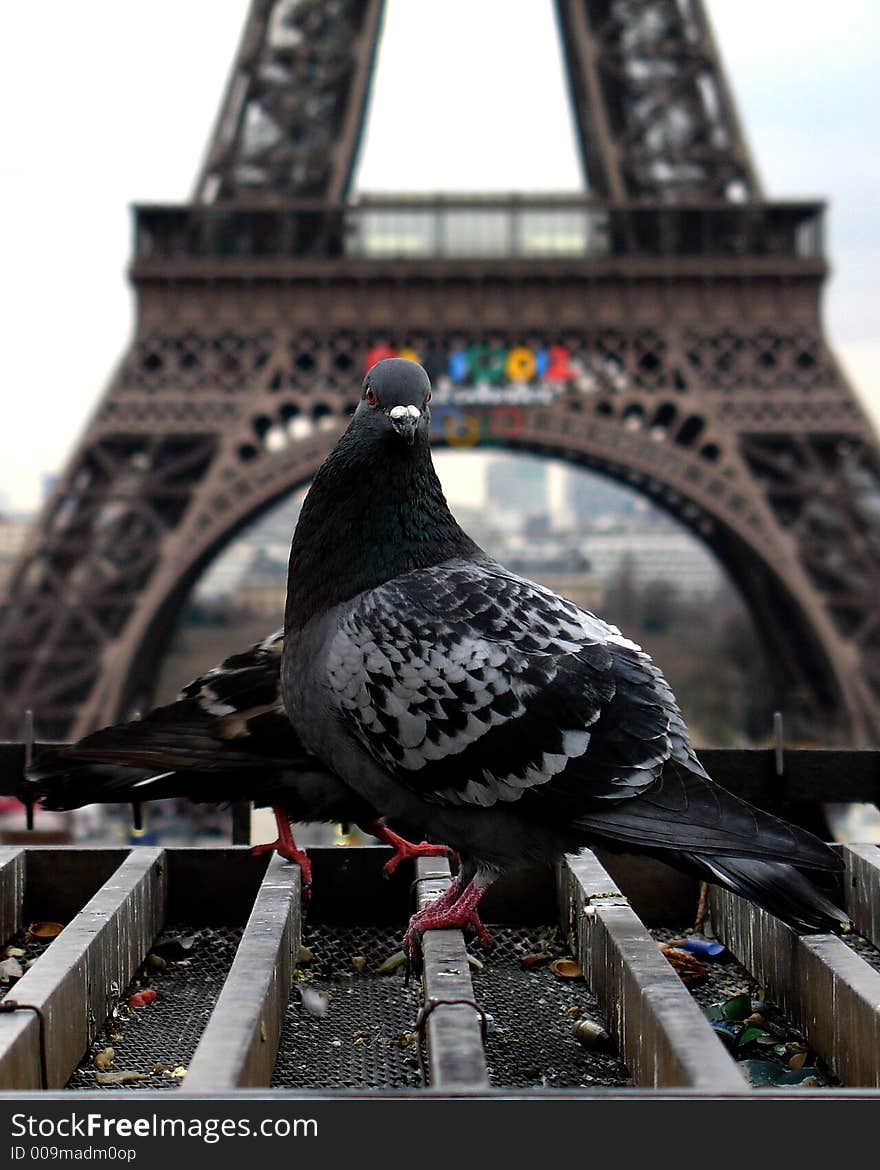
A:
{"points": [[59, 783], [776, 887], [688, 813]]}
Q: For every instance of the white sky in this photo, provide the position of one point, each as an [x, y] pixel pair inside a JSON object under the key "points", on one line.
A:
{"points": [[110, 102]]}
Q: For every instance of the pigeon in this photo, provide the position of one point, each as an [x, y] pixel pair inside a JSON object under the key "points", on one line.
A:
{"points": [[484, 711], [225, 738]]}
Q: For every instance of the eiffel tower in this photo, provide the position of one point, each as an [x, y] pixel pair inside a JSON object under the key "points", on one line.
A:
{"points": [[662, 327]]}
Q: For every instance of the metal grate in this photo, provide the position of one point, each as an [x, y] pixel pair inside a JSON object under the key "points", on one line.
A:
{"points": [[162, 1036], [367, 1037], [864, 949], [32, 947], [531, 1042]]}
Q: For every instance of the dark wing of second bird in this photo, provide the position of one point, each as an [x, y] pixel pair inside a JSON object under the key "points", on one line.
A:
{"points": [[226, 737]]}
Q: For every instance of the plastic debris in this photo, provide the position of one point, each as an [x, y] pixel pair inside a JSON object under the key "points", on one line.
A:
{"points": [[704, 948], [762, 1073], [11, 969], [141, 998]]}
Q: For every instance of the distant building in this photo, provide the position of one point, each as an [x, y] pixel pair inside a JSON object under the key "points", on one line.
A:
{"points": [[676, 558], [517, 485], [588, 498], [262, 589]]}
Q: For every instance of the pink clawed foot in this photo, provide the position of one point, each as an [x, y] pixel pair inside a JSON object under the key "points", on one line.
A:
{"points": [[403, 850], [285, 845], [456, 909]]}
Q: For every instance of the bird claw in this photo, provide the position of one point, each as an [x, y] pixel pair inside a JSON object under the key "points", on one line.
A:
{"points": [[408, 851], [296, 856], [452, 918]]}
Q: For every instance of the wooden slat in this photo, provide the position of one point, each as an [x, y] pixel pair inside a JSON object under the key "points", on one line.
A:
{"points": [[662, 1034], [240, 1043], [456, 1057], [861, 889], [830, 992], [71, 982], [12, 879]]}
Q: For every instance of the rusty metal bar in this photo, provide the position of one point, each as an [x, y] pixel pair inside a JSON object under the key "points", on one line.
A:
{"points": [[240, 1043], [861, 889], [830, 992], [456, 1056], [662, 1034], [75, 981]]}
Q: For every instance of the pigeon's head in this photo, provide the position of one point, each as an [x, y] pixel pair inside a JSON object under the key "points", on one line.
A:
{"points": [[394, 399]]}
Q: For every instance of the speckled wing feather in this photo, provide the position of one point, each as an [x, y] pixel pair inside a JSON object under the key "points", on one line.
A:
{"points": [[472, 686], [226, 737], [231, 716]]}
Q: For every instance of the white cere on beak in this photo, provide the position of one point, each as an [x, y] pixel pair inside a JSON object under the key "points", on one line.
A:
{"points": [[397, 412]]}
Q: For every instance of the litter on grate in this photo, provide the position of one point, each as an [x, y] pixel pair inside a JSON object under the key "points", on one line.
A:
{"points": [[863, 948], [727, 979], [32, 947], [158, 1039], [366, 1037], [533, 1013]]}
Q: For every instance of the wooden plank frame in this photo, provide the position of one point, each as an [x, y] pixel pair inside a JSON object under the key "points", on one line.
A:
{"points": [[239, 1045], [74, 982], [662, 1034], [832, 993], [454, 1031]]}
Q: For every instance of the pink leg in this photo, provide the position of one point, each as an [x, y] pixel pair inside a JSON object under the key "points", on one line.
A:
{"points": [[458, 911], [286, 846], [403, 850], [446, 899]]}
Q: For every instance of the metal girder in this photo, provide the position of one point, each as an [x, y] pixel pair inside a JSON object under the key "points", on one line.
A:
{"points": [[291, 120], [654, 113]]}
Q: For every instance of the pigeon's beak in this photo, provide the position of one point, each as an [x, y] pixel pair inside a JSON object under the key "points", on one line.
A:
{"points": [[405, 420]]}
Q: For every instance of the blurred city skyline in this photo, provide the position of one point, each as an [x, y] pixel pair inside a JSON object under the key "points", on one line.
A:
{"points": [[467, 97]]}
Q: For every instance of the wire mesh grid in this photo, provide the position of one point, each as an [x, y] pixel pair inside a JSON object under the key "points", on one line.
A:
{"points": [[32, 947], [531, 1041], [366, 1038], [153, 1043], [863, 948]]}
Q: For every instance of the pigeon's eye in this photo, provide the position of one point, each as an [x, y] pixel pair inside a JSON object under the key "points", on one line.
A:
{"points": [[370, 396], [428, 398]]}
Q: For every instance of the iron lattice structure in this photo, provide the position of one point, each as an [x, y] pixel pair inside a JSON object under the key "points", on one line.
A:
{"points": [[681, 310]]}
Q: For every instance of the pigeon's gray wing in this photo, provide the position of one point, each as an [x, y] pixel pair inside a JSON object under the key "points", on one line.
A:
{"points": [[471, 685]]}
